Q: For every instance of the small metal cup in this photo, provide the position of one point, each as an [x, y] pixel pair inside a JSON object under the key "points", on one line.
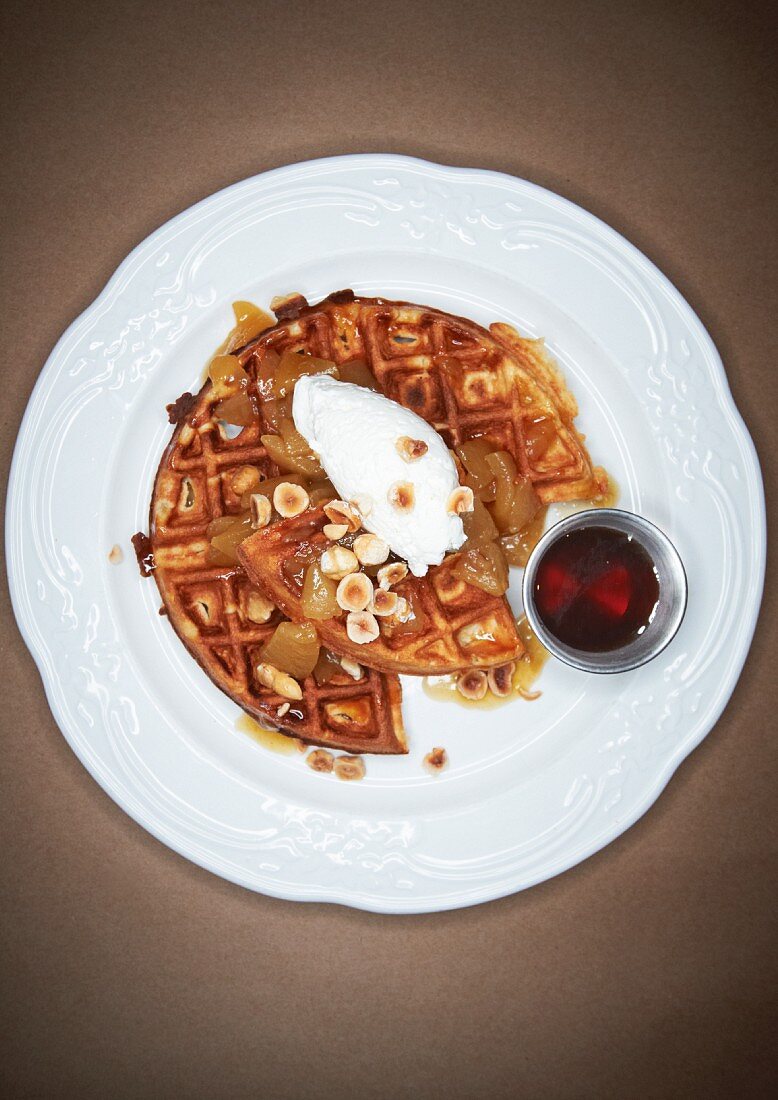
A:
{"points": [[672, 592]]}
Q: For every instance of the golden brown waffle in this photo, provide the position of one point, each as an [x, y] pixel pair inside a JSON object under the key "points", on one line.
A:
{"points": [[457, 626], [465, 380], [208, 605]]}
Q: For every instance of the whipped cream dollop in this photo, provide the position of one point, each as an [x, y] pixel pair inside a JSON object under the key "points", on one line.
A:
{"points": [[387, 459]]}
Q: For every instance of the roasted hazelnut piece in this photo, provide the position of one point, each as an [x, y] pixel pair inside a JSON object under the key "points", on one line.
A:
{"points": [[472, 684], [361, 627], [461, 501], [261, 510], [349, 767], [340, 511], [402, 496], [335, 531], [370, 549], [290, 500], [409, 449], [351, 668], [392, 574], [320, 760], [436, 761], [338, 561], [354, 592], [384, 602], [279, 682], [258, 608], [246, 479], [500, 679]]}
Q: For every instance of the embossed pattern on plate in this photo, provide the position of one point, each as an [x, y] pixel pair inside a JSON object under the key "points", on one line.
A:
{"points": [[533, 787]]}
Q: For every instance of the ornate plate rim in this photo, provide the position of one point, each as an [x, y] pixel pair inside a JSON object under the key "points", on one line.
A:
{"points": [[365, 900]]}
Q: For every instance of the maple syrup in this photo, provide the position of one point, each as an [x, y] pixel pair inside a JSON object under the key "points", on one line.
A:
{"points": [[269, 739], [596, 589]]}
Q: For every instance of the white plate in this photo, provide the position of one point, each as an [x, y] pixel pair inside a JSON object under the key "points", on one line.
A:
{"points": [[532, 787]]}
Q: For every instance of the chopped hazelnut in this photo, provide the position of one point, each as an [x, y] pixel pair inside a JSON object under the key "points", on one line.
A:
{"points": [[500, 679], [384, 602], [402, 496], [403, 610], [338, 561], [246, 479], [279, 682], [349, 767], [472, 684], [282, 710], [320, 760], [116, 554], [461, 501], [392, 574], [258, 608], [361, 627], [290, 500], [352, 668], [370, 549], [436, 761], [340, 511], [335, 531], [409, 449], [354, 592], [261, 510]]}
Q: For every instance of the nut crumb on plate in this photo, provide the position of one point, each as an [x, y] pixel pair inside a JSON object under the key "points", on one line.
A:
{"points": [[320, 760], [349, 767], [116, 554], [472, 684], [436, 761]]}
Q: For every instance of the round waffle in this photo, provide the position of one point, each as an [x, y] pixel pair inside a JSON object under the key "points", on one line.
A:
{"points": [[210, 607]]}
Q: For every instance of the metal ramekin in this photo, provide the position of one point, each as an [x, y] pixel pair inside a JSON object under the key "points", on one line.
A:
{"points": [[672, 592]]}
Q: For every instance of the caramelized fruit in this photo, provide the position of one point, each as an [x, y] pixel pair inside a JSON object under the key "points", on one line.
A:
{"points": [[319, 594], [228, 532], [237, 410], [327, 667], [358, 373], [515, 502], [483, 565], [250, 320], [227, 375], [538, 436], [294, 366], [480, 476], [293, 648]]}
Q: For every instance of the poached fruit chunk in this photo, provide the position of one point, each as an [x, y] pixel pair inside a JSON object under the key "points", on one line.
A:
{"points": [[293, 648], [480, 476], [226, 533], [358, 373], [515, 502], [290, 451], [237, 410], [250, 321], [293, 366], [227, 375], [319, 599], [480, 561]]}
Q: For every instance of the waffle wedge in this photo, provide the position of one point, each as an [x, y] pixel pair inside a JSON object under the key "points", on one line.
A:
{"points": [[453, 625], [219, 615]]}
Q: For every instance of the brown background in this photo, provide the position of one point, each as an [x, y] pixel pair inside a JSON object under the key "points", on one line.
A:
{"points": [[647, 971]]}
